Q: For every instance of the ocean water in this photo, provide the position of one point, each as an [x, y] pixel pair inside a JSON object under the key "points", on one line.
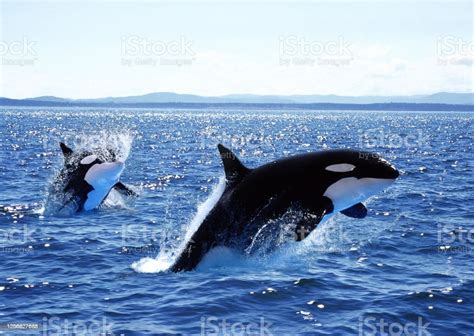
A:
{"points": [[405, 269]]}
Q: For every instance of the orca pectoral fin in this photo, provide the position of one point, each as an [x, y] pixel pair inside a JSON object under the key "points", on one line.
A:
{"points": [[356, 211], [124, 190]]}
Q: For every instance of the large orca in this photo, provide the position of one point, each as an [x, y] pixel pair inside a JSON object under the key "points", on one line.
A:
{"points": [[87, 178], [317, 184]]}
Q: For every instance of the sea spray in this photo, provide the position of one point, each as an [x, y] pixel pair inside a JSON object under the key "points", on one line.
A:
{"points": [[119, 143], [166, 257]]}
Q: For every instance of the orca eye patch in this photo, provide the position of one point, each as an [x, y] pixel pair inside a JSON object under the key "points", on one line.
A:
{"points": [[341, 167], [88, 159]]}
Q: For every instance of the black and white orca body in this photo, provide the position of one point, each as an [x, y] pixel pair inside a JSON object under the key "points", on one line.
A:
{"points": [[87, 178], [319, 184]]}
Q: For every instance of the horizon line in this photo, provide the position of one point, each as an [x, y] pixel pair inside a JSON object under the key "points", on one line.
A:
{"points": [[244, 94]]}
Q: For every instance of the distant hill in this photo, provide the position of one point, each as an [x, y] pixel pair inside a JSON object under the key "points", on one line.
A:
{"points": [[443, 100], [48, 99], [170, 97], [156, 97], [437, 98]]}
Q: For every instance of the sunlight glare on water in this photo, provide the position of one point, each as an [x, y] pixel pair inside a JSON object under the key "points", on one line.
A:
{"points": [[409, 258]]}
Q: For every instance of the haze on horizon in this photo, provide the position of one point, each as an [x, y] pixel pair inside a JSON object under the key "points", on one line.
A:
{"points": [[91, 49]]}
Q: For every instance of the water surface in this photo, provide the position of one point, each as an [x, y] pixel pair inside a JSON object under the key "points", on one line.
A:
{"points": [[408, 261]]}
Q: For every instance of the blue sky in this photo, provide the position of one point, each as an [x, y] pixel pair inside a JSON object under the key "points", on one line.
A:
{"points": [[94, 49]]}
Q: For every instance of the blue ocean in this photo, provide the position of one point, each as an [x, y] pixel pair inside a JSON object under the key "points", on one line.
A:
{"points": [[405, 269]]}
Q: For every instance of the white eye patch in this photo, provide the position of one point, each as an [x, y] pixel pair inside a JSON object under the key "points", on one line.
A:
{"points": [[88, 159], [341, 167]]}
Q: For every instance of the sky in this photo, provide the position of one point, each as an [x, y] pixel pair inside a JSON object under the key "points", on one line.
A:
{"points": [[119, 48]]}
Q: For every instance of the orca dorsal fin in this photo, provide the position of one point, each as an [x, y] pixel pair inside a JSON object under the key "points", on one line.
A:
{"points": [[233, 168], [67, 152]]}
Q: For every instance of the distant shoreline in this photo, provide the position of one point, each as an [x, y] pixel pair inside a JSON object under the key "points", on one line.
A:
{"points": [[6, 102]]}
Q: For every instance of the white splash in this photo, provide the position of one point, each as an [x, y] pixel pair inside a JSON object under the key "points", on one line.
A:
{"points": [[100, 142], [119, 142], [152, 265], [166, 258]]}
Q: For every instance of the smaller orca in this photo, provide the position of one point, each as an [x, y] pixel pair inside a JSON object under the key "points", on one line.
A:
{"points": [[87, 178], [316, 185]]}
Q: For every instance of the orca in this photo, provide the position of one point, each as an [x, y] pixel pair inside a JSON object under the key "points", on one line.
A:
{"points": [[87, 178], [318, 184]]}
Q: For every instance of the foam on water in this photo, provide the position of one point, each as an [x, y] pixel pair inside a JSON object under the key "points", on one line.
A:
{"points": [[153, 265]]}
